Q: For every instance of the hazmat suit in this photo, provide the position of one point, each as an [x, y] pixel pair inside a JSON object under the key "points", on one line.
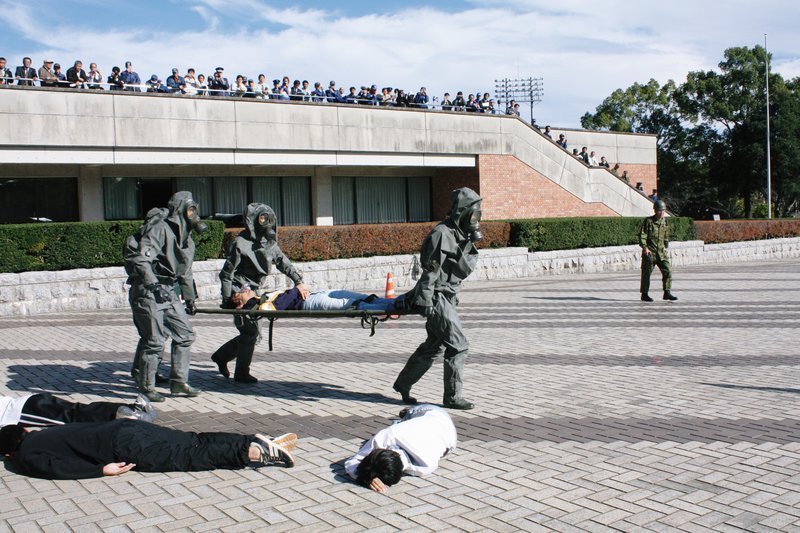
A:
{"points": [[248, 262], [447, 257], [159, 264]]}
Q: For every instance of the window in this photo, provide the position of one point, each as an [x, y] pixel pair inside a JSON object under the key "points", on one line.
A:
{"points": [[366, 200], [24, 200]]}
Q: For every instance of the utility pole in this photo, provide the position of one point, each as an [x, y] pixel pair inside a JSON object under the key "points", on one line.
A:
{"points": [[769, 164]]}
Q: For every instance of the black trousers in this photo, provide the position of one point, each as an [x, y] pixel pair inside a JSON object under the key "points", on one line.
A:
{"points": [[158, 449], [47, 410]]}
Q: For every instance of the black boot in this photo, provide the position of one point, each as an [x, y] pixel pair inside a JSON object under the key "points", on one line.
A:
{"points": [[222, 366], [180, 387], [405, 394], [245, 378], [668, 296], [646, 297], [459, 403]]}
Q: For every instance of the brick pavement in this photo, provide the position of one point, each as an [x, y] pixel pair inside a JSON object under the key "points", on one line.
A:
{"points": [[595, 412]]}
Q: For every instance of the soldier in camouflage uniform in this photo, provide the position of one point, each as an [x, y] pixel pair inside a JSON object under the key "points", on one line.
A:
{"points": [[654, 240], [448, 256]]}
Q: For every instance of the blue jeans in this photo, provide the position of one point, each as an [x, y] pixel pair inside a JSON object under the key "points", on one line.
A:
{"points": [[337, 300]]}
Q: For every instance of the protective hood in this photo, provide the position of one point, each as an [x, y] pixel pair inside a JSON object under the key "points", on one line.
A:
{"points": [[257, 231], [465, 208], [178, 205]]}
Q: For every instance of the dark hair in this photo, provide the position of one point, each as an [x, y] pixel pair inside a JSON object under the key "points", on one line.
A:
{"points": [[380, 463], [10, 438]]}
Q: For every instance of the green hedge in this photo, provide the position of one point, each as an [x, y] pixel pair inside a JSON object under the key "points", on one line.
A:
{"points": [[540, 235], [68, 245]]}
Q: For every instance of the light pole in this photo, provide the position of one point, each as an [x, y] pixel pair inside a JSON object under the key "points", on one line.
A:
{"points": [[769, 164], [522, 90]]}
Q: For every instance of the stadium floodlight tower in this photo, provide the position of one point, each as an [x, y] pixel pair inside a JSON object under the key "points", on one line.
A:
{"points": [[522, 90]]}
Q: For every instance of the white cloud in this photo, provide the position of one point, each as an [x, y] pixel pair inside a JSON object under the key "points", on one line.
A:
{"points": [[583, 51]]}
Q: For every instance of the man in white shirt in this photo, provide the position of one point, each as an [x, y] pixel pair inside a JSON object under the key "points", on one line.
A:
{"points": [[44, 409], [412, 446]]}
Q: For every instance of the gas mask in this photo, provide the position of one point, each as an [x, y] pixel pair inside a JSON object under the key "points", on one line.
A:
{"points": [[193, 218], [471, 223], [265, 223]]}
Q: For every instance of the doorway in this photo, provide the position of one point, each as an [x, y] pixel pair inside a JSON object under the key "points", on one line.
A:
{"points": [[154, 193]]}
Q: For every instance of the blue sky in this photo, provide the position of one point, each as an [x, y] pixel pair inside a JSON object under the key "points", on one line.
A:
{"points": [[583, 50]]}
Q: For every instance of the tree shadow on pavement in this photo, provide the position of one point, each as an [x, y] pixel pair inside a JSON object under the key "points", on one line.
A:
{"points": [[752, 387], [114, 378]]}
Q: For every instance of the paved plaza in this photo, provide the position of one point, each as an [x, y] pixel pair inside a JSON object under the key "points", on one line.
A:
{"points": [[595, 412]]}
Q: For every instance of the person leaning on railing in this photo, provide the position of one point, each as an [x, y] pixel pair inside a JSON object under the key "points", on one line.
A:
{"points": [[5, 74], [47, 77]]}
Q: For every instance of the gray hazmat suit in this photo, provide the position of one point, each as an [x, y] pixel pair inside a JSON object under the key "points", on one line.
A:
{"points": [[448, 256], [249, 261], [159, 273]]}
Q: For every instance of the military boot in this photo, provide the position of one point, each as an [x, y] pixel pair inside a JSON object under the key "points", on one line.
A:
{"points": [[669, 296], [181, 387], [646, 297], [459, 403], [151, 394]]}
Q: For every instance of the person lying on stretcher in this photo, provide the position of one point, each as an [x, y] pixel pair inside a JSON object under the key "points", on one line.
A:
{"points": [[330, 300]]}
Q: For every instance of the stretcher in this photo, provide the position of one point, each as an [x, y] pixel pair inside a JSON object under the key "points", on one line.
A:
{"points": [[369, 318]]}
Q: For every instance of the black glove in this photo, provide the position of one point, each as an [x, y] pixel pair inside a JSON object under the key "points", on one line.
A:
{"points": [[161, 294], [227, 303], [191, 308]]}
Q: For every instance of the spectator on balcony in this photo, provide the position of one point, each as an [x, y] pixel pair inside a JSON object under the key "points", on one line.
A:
{"points": [[202, 85], [447, 103], [94, 77], [459, 104], [639, 187], [387, 97], [603, 162], [331, 93], [492, 110], [547, 133], [306, 91], [260, 88], [584, 155], [401, 98], [562, 141], [175, 83], [61, 78], [218, 84], [421, 98], [76, 76], [472, 104], [296, 92], [576, 154], [5, 73], [615, 170], [114, 82], [625, 177], [364, 96], [484, 103], [341, 98], [511, 110], [654, 196], [592, 160], [47, 77], [155, 85], [26, 74], [352, 97], [317, 95], [286, 85], [130, 78], [239, 86], [190, 83]]}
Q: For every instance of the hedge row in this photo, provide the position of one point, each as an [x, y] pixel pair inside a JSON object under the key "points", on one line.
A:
{"points": [[539, 235], [68, 245], [62, 246], [746, 230]]}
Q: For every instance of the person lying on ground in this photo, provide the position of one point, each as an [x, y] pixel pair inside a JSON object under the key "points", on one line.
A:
{"points": [[96, 449], [411, 446], [44, 409], [329, 300]]}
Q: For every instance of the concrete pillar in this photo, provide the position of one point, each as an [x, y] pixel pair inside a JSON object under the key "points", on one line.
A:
{"points": [[90, 193], [322, 197]]}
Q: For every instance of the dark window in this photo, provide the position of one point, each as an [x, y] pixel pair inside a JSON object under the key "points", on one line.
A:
{"points": [[38, 199], [371, 200]]}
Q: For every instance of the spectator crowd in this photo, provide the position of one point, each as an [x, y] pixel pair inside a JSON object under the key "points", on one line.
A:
{"points": [[191, 83]]}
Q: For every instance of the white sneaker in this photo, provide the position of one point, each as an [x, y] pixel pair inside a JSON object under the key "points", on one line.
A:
{"points": [[274, 453]]}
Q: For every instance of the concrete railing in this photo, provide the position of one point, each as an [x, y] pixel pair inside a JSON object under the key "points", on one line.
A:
{"points": [[32, 293]]}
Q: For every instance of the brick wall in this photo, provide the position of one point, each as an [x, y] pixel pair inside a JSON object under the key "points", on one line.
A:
{"points": [[647, 174], [443, 183], [512, 189]]}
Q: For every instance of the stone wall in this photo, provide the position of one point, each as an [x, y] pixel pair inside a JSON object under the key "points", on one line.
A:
{"points": [[32, 293]]}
